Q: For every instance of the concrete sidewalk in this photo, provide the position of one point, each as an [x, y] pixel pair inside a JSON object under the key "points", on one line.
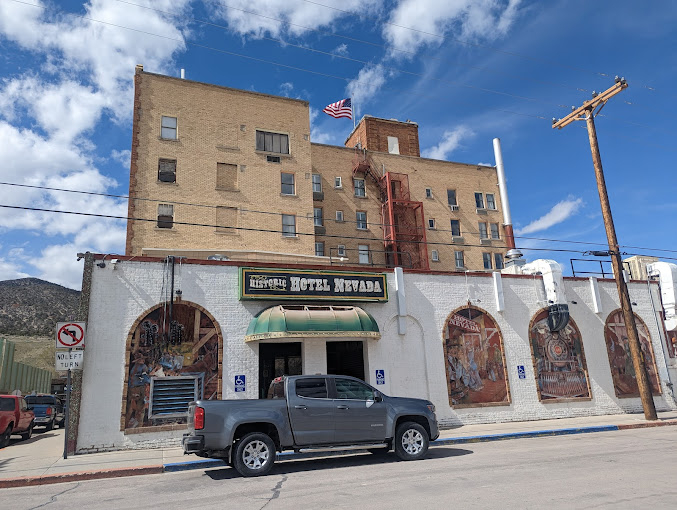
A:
{"points": [[40, 460]]}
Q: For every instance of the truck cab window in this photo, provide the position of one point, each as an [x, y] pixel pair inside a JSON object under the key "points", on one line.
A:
{"points": [[311, 388], [353, 390]]}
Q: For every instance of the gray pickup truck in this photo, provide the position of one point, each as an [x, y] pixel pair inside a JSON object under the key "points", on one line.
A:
{"points": [[309, 413]]}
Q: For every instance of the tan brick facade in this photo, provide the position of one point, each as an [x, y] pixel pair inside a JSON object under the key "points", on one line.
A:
{"points": [[222, 178]]}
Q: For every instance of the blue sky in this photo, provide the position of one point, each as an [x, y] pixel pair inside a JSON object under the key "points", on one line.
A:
{"points": [[466, 71]]}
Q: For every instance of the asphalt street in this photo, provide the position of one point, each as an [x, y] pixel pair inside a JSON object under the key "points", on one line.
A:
{"points": [[621, 469]]}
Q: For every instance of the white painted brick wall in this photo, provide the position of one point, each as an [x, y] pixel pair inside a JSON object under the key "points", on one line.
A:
{"points": [[413, 363]]}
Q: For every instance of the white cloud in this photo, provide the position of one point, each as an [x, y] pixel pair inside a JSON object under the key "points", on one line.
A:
{"points": [[286, 88], [559, 213], [123, 157], [417, 23], [256, 18], [341, 49], [451, 140], [362, 89], [317, 135], [10, 271], [59, 264]]}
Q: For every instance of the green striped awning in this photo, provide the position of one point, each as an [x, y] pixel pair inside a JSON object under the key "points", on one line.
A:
{"points": [[292, 321]]}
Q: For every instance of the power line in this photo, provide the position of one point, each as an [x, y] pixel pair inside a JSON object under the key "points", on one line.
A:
{"points": [[308, 218]]}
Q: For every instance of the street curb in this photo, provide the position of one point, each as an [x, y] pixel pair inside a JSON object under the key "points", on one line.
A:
{"points": [[28, 481]]}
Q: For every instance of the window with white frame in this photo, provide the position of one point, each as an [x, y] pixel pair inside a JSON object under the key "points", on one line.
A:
{"points": [[393, 145], [491, 201], [431, 223], [479, 201], [435, 256], [169, 128], [451, 197], [494, 231], [341, 250], [459, 262], [486, 260], [455, 228], [498, 261], [363, 251], [287, 180], [317, 217], [361, 217], [483, 230], [165, 216], [360, 189], [338, 182], [319, 249], [166, 171], [339, 216], [288, 225], [317, 183], [428, 193], [272, 142]]}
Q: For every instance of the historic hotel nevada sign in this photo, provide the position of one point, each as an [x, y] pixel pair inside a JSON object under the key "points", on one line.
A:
{"points": [[312, 285]]}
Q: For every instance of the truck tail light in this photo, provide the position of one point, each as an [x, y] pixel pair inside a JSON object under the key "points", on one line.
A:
{"points": [[49, 411], [199, 418]]}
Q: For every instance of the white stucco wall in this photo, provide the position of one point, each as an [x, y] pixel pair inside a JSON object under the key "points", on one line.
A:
{"points": [[413, 362]]}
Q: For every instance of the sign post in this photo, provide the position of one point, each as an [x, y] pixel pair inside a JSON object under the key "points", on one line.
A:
{"points": [[69, 335]]}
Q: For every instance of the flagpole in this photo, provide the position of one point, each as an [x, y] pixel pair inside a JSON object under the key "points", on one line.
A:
{"points": [[352, 111]]}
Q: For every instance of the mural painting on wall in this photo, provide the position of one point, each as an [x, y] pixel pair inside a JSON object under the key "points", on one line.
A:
{"points": [[171, 362], [559, 360], [473, 354], [620, 360]]}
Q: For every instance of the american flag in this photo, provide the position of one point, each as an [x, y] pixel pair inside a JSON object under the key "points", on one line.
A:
{"points": [[342, 108]]}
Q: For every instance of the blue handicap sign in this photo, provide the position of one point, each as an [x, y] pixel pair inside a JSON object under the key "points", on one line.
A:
{"points": [[240, 383], [521, 372], [380, 377]]}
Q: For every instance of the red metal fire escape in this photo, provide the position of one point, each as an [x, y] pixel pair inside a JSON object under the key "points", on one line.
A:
{"points": [[403, 219]]}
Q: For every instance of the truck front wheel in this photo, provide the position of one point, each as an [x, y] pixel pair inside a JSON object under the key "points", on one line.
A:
{"points": [[411, 441], [4, 437], [254, 454]]}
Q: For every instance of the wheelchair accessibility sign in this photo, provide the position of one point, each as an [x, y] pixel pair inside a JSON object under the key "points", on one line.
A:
{"points": [[521, 373], [380, 377], [240, 383]]}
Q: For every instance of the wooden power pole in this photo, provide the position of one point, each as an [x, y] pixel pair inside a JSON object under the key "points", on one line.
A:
{"points": [[587, 112]]}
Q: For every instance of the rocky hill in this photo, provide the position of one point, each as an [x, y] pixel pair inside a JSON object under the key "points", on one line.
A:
{"points": [[31, 307]]}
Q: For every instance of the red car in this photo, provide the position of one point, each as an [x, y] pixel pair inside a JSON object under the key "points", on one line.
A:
{"points": [[15, 418]]}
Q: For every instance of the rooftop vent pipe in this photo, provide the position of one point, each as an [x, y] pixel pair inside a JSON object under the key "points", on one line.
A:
{"points": [[667, 275], [183, 74], [513, 253], [558, 308]]}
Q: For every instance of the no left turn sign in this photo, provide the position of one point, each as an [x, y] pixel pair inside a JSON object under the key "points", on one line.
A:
{"points": [[70, 335]]}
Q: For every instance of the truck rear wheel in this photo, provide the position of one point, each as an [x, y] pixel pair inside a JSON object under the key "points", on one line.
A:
{"points": [[411, 441], [254, 454]]}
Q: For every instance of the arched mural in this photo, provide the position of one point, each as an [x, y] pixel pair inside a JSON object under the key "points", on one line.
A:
{"points": [[171, 363], [620, 360], [559, 360], [474, 359]]}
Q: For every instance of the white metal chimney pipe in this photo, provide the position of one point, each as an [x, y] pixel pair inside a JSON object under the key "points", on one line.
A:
{"points": [[183, 74], [503, 190]]}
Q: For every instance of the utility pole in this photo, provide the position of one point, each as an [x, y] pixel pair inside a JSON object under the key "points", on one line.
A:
{"points": [[587, 112]]}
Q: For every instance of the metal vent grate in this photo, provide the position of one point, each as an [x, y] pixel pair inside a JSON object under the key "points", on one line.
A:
{"points": [[170, 396]]}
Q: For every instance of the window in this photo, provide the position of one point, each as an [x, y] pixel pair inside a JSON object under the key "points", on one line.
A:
{"points": [[360, 190], [431, 223], [361, 220], [479, 200], [226, 219], [165, 216], [451, 197], [393, 145], [435, 256], [486, 259], [317, 183], [483, 230], [363, 251], [455, 228], [166, 171], [338, 183], [494, 231], [339, 216], [272, 159], [428, 193], [311, 388], [317, 216], [288, 225], [287, 183], [319, 249], [491, 202], [498, 260], [276, 389], [168, 130], [272, 142], [226, 176], [458, 259], [341, 250], [353, 390]]}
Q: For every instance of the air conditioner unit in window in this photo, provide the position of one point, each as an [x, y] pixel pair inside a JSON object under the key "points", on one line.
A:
{"points": [[457, 239], [453, 207], [485, 240]]}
